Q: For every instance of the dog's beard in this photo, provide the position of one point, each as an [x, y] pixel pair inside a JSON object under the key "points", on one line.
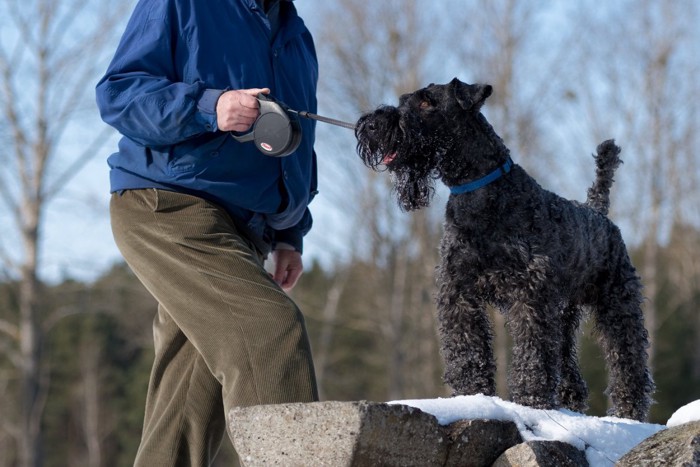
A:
{"points": [[415, 168], [377, 155], [412, 173], [412, 191]]}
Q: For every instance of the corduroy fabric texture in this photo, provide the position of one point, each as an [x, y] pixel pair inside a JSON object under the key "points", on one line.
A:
{"points": [[225, 334]]}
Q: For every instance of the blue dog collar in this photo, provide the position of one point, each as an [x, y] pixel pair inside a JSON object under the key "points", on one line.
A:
{"points": [[482, 182]]}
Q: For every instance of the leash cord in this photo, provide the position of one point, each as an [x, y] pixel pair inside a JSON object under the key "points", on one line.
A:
{"points": [[332, 121], [581, 439]]}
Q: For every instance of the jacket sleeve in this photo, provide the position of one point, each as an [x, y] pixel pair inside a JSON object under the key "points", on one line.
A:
{"points": [[294, 236], [142, 95]]}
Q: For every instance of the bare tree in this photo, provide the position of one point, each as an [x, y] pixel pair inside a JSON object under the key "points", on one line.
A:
{"points": [[88, 404], [51, 52], [384, 54], [638, 57], [512, 45], [329, 320]]}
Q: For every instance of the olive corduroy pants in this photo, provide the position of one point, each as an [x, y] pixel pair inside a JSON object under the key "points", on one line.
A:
{"points": [[225, 334]]}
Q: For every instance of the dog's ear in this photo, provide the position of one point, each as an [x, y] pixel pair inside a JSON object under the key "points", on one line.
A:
{"points": [[470, 96]]}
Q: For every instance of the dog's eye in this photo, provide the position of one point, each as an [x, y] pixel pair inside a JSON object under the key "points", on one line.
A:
{"points": [[425, 104]]}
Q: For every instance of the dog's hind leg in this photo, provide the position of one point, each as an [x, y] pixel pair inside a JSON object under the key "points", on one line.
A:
{"points": [[624, 339], [573, 392]]}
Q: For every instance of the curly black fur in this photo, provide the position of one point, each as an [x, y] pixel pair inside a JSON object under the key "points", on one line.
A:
{"points": [[541, 259]]}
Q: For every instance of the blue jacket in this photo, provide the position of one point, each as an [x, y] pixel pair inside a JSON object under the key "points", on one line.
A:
{"points": [[175, 59]]}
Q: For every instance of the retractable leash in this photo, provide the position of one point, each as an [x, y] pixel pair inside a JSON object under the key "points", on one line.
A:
{"points": [[277, 131]]}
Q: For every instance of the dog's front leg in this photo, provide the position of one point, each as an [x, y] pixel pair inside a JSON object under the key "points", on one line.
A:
{"points": [[465, 343], [535, 367]]}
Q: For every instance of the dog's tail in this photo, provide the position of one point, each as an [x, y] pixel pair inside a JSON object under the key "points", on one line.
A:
{"points": [[606, 160]]}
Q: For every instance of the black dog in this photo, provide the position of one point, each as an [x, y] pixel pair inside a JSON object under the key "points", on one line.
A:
{"points": [[540, 259]]}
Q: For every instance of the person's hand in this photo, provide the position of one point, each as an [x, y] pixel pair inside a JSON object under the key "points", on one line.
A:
{"points": [[237, 110], [288, 268]]}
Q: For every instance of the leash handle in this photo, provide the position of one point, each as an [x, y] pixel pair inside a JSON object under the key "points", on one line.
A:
{"points": [[267, 106], [276, 132], [332, 121]]}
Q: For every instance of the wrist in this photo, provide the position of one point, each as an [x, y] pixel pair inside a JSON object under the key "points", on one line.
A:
{"points": [[206, 108]]}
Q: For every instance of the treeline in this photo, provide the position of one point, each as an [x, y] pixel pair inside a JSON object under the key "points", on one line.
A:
{"points": [[99, 349]]}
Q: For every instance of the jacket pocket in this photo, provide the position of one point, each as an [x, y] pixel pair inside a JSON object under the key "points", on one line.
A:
{"points": [[193, 154]]}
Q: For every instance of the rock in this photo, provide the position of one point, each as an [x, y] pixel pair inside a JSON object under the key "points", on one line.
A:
{"points": [[337, 434], [477, 443], [368, 434], [542, 454], [678, 446]]}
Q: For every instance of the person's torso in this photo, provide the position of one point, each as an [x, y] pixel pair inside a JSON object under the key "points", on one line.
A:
{"points": [[230, 47]]}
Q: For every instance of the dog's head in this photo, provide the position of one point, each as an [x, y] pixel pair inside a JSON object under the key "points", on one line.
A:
{"points": [[423, 138]]}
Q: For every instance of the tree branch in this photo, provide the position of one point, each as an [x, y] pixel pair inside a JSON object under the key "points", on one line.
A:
{"points": [[7, 196], [9, 329], [60, 314], [12, 116], [74, 168], [11, 353]]}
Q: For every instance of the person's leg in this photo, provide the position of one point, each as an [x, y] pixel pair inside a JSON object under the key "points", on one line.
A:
{"points": [[211, 283], [184, 421]]}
